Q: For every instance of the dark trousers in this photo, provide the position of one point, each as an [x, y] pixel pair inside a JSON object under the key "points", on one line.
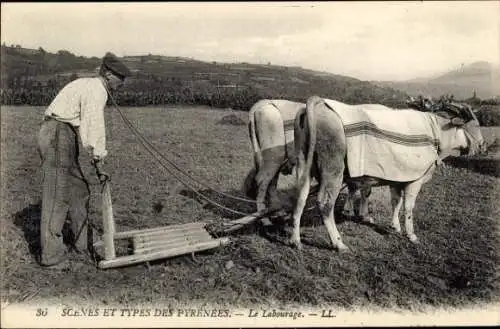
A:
{"points": [[65, 191]]}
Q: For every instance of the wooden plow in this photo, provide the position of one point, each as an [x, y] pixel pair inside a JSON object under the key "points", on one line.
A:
{"points": [[158, 243]]}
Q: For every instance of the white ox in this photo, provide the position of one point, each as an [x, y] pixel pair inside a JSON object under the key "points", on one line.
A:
{"points": [[321, 148]]}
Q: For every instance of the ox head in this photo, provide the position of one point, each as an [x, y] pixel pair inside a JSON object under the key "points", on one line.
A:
{"points": [[463, 118]]}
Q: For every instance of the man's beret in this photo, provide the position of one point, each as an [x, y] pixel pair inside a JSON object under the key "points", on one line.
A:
{"points": [[112, 63]]}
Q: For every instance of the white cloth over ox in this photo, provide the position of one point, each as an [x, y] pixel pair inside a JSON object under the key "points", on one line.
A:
{"points": [[395, 145]]}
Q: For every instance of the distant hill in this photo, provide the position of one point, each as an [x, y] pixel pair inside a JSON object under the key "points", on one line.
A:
{"points": [[481, 77], [166, 79]]}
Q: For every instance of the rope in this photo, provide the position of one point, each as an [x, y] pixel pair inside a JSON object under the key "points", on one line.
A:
{"points": [[152, 152], [138, 134], [155, 153]]}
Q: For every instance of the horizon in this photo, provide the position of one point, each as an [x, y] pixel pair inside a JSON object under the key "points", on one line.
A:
{"points": [[277, 64], [402, 41]]}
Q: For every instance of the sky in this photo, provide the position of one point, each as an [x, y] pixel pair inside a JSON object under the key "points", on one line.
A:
{"points": [[367, 40]]}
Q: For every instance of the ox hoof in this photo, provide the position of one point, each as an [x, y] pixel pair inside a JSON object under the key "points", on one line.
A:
{"points": [[368, 219], [295, 244], [396, 229], [342, 248], [413, 238], [261, 207]]}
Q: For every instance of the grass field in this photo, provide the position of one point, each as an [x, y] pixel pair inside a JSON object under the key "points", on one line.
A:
{"points": [[456, 219]]}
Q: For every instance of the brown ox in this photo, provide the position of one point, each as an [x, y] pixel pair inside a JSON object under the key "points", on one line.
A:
{"points": [[321, 146]]}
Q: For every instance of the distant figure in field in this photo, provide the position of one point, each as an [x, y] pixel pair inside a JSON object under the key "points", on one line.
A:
{"points": [[78, 110]]}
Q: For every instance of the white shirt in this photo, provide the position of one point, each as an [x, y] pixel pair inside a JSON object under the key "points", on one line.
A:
{"points": [[81, 103]]}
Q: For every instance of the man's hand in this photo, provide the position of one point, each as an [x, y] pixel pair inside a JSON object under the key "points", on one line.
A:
{"points": [[101, 174]]}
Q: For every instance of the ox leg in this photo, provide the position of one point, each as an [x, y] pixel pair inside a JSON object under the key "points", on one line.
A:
{"points": [[397, 202], [263, 184], [272, 191], [410, 195], [297, 213], [272, 198], [349, 205], [303, 193], [268, 171], [328, 193], [365, 192]]}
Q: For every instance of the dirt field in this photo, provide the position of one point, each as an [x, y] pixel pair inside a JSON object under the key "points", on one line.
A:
{"points": [[456, 219]]}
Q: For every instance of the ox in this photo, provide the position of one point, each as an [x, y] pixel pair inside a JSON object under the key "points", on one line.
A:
{"points": [[271, 134], [321, 146], [271, 130]]}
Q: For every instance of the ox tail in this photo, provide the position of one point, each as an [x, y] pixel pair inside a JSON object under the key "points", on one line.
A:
{"points": [[250, 185], [253, 136], [312, 102]]}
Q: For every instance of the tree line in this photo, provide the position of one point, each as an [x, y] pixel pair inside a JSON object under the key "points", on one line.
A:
{"points": [[149, 89], [488, 111]]}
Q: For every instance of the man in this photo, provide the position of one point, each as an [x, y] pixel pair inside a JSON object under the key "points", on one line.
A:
{"points": [[78, 110]]}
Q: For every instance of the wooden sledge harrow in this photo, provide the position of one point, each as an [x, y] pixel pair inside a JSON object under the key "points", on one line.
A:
{"points": [[151, 244]]}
